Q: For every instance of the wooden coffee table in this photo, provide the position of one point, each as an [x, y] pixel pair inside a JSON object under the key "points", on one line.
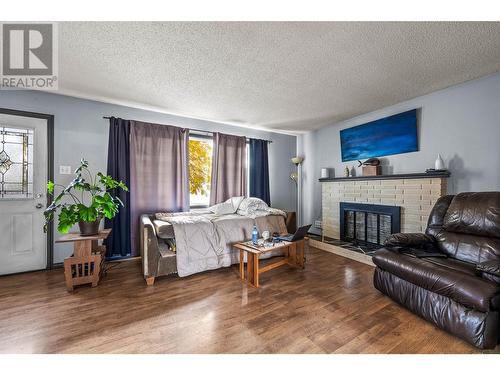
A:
{"points": [[293, 252]]}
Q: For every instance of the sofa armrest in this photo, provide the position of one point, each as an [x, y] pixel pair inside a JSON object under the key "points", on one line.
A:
{"points": [[415, 240], [150, 251], [491, 267]]}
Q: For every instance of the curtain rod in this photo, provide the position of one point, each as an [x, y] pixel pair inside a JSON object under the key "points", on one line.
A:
{"points": [[201, 131]]}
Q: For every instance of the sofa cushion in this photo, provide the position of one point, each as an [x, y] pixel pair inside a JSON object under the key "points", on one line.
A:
{"points": [[164, 229], [457, 284], [490, 266], [467, 247], [436, 217], [454, 265], [489, 270], [419, 240], [474, 213]]}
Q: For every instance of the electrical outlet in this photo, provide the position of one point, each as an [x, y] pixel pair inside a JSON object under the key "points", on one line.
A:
{"points": [[64, 169]]}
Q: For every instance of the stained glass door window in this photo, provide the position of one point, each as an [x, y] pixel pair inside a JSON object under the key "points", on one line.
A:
{"points": [[16, 163]]}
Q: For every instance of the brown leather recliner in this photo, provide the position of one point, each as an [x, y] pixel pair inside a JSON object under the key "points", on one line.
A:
{"points": [[450, 275]]}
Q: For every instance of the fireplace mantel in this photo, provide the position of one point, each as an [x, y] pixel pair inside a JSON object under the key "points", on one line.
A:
{"points": [[404, 176]]}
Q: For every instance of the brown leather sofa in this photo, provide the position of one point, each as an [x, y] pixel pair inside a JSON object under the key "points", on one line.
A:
{"points": [[450, 275]]}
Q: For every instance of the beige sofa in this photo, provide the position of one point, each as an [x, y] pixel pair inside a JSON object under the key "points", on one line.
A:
{"points": [[159, 260]]}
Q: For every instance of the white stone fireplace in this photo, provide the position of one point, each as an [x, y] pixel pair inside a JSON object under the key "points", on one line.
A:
{"points": [[415, 194]]}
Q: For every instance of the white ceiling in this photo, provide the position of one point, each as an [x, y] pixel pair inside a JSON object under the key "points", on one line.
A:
{"points": [[280, 75]]}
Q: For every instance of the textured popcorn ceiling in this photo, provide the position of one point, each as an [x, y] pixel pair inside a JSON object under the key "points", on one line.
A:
{"points": [[280, 75]]}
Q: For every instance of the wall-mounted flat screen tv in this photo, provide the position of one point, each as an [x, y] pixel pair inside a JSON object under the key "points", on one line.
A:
{"points": [[391, 135]]}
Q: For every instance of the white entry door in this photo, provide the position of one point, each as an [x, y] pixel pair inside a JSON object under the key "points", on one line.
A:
{"points": [[23, 178]]}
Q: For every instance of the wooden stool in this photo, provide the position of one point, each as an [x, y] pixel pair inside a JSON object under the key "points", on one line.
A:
{"points": [[86, 263]]}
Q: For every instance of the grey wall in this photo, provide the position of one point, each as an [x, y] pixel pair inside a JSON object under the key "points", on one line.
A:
{"points": [[80, 131], [462, 123]]}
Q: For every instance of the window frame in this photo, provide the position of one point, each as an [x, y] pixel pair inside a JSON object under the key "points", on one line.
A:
{"points": [[204, 136]]}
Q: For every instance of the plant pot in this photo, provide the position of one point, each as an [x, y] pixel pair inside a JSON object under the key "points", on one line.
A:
{"points": [[89, 228]]}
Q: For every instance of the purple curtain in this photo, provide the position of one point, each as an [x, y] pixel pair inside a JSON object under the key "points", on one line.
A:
{"points": [[158, 170], [229, 168]]}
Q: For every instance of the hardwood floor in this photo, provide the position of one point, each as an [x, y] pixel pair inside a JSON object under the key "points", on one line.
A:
{"points": [[330, 307]]}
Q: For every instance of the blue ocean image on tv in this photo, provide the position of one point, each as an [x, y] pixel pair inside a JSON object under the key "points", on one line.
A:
{"points": [[391, 135]]}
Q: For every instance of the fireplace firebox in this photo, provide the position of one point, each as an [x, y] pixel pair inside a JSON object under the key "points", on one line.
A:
{"points": [[368, 224]]}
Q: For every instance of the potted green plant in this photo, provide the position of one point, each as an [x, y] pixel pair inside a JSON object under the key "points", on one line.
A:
{"points": [[86, 200]]}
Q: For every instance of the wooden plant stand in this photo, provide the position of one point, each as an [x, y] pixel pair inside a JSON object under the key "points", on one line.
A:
{"points": [[86, 264], [294, 256]]}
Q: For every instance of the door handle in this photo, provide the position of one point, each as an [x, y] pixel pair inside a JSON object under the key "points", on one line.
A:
{"points": [[39, 205]]}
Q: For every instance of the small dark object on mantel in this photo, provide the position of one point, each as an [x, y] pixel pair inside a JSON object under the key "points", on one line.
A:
{"points": [[370, 162], [435, 171]]}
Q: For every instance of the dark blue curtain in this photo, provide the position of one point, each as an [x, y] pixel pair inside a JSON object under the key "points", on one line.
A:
{"points": [[118, 243], [259, 170]]}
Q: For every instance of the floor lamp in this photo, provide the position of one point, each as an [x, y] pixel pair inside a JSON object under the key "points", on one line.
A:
{"points": [[297, 177]]}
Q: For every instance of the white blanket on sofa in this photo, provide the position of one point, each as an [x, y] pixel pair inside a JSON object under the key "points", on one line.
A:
{"points": [[204, 241]]}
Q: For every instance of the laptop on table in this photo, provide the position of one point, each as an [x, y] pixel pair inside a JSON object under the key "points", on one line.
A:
{"points": [[298, 235]]}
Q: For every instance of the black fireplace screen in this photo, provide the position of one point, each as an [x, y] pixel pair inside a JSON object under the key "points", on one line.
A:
{"points": [[368, 223]]}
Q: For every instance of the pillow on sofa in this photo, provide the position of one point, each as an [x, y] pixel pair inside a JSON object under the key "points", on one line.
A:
{"points": [[224, 208], [251, 205], [228, 207], [236, 201]]}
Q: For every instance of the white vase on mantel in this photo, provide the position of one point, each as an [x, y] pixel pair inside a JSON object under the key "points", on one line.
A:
{"points": [[439, 163]]}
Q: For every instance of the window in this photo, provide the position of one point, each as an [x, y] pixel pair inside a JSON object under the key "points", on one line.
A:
{"points": [[200, 170], [16, 163]]}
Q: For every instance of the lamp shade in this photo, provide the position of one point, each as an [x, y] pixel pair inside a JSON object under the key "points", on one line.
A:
{"points": [[297, 160]]}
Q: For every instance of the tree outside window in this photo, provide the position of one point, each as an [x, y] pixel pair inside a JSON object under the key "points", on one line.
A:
{"points": [[200, 169]]}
